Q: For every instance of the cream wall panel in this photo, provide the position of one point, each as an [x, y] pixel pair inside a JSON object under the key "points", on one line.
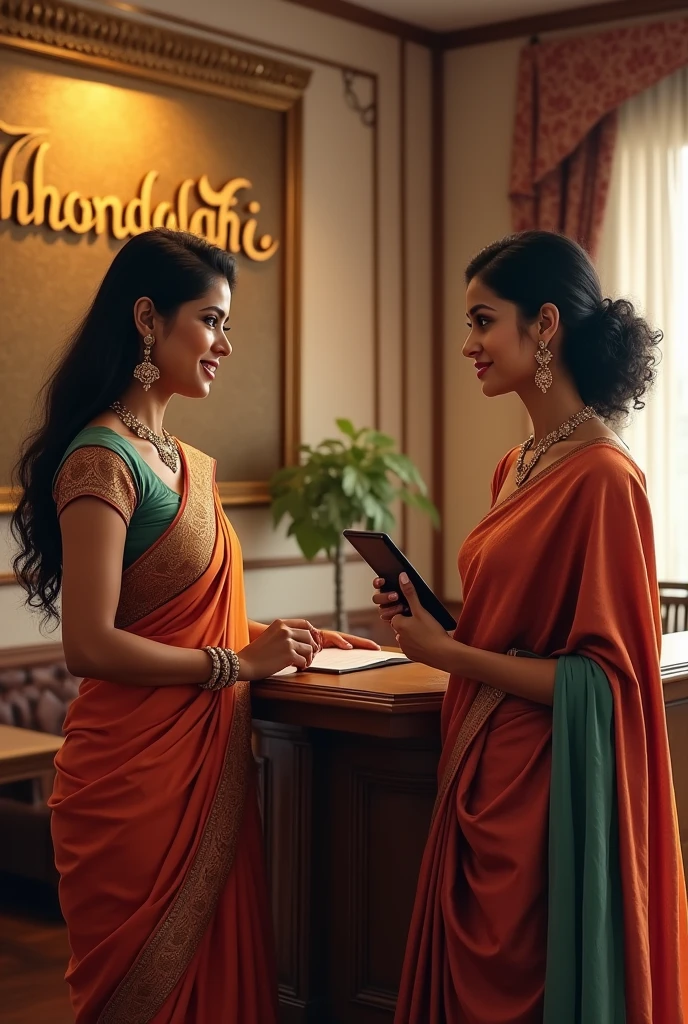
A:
{"points": [[418, 296], [337, 295], [479, 109]]}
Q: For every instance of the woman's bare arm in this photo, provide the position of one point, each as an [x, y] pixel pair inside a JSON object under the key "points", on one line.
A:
{"points": [[93, 536], [255, 629], [422, 639], [531, 678]]}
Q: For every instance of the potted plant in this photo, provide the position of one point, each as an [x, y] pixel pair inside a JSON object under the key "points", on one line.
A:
{"points": [[341, 484]]}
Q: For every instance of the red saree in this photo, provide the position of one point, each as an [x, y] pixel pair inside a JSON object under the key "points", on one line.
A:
{"points": [[155, 818], [564, 565]]}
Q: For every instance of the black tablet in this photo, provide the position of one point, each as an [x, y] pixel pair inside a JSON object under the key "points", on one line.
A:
{"points": [[387, 561]]}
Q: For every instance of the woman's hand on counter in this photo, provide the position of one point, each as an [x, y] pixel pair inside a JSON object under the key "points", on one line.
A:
{"points": [[347, 641], [285, 643], [331, 638]]}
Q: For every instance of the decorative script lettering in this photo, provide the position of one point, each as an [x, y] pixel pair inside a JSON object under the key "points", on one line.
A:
{"points": [[27, 199]]}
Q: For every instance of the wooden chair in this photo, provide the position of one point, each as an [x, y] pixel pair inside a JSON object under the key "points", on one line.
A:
{"points": [[674, 604]]}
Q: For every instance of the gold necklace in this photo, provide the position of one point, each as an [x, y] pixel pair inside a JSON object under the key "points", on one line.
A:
{"points": [[166, 446], [560, 434]]}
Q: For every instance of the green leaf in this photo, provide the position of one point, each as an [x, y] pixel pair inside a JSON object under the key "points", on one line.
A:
{"points": [[334, 511], [376, 439], [283, 476], [347, 427], [331, 444], [382, 489], [280, 508], [419, 501], [404, 469], [372, 507], [343, 484], [349, 480], [388, 521], [309, 540]]}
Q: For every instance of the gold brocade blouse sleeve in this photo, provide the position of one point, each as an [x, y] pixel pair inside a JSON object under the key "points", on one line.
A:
{"points": [[98, 473]]}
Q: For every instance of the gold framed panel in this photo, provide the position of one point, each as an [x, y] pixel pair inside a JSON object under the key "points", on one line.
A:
{"points": [[110, 44]]}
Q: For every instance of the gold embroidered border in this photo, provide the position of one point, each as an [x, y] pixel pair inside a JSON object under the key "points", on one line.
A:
{"points": [[486, 700], [100, 473], [162, 962], [544, 473], [183, 553]]}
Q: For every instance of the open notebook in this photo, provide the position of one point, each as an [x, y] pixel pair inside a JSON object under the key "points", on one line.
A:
{"points": [[338, 662]]}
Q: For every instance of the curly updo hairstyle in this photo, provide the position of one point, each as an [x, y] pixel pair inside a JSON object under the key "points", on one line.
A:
{"points": [[610, 352]]}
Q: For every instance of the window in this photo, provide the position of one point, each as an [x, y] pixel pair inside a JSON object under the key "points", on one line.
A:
{"points": [[644, 256]]}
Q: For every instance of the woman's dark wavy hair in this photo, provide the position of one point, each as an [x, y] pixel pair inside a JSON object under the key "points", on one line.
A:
{"points": [[171, 268], [610, 352]]}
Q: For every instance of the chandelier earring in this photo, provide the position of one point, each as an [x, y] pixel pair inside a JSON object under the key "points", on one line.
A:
{"points": [[543, 377], [147, 372]]}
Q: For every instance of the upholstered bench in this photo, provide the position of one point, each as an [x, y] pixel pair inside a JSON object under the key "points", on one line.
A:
{"points": [[35, 691]]}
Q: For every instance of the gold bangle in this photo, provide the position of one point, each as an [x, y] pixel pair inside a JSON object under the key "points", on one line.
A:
{"points": [[226, 668], [211, 682]]}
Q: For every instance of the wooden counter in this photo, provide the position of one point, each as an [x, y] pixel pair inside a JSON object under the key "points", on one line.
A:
{"points": [[24, 754], [348, 779]]}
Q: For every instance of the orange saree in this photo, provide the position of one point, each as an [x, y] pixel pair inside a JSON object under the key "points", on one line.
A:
{"points": [[564, 566], [155, 818]]}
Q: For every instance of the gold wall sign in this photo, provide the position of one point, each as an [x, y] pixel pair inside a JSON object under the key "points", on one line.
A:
{"points": [[27, 199], [114, 125]]}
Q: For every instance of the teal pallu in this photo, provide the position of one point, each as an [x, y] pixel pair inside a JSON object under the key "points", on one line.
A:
{"points": [[584, 981]]}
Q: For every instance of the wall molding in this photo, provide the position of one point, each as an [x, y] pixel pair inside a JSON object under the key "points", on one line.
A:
{"points": [[8, 579], [560, 21], [30, 655], [438, 319], [366, 112], [555, 21], [108, 41], [371, 19]]}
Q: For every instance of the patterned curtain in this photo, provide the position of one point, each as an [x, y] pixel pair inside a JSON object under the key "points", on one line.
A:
{"points": [[568, 94]]}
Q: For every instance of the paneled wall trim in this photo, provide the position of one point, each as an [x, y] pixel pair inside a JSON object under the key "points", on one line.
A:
{"points": [[8, 579], [557, 21]]}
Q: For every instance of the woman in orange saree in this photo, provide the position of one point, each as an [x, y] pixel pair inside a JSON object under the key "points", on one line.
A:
{"points": [[551, 888], [141, 768], [155, 819]]}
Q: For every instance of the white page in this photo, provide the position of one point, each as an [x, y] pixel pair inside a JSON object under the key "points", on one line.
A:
{"points": [[334, 660]]}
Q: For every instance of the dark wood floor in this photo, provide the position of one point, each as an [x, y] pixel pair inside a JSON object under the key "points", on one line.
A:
{"points": [[33, 956]]}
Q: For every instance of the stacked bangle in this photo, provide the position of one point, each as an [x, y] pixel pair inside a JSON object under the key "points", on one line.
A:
{"points": [[225, 670]]}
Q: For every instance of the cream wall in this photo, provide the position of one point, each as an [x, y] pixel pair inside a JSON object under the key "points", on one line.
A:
{"points": [[480, 98], [338, 272]]}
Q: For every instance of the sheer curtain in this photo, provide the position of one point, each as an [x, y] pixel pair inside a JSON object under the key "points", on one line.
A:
{"points": [[644, 256]]}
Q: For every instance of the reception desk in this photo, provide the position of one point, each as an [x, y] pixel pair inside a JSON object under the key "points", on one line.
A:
{"points": [[348, 780]]}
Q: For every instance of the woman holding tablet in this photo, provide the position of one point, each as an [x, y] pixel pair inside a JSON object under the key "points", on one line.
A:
{"points": [[552, 886]]}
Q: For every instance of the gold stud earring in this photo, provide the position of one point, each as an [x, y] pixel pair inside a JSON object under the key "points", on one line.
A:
{"points": [[543, 377], [147, 372]]}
